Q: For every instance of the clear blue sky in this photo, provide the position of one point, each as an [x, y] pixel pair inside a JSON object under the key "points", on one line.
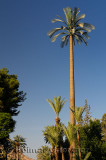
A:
{"points": [[43, 67]]}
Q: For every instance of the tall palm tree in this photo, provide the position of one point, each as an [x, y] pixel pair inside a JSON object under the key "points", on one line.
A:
{"points": [[69, 132], [74, 30], [57, 105]]}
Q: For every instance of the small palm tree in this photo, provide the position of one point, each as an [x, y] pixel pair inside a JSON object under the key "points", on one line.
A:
{"points": [[43, 153], [48, 138], [53, 135], [14, 147], [18, 144], [69, 132], [57, 105], [78, 116]]}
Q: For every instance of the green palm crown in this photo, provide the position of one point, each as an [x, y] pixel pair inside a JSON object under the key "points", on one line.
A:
{"points": [[57, 105], [72, 27]]}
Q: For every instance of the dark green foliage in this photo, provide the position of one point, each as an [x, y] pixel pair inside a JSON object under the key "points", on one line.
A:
{"points": [[91, 140], [6, 145], [7, 148], [10, 100], [91, 132], [103, 125], [103, 150], [10, 96], [6, 125]]}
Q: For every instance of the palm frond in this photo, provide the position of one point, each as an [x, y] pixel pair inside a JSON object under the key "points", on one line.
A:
{"points": [[56, 20], [75, 12], [83, 29], [85, 34], [84, 40], [87, 156], [62, 19], [90, 26], [57, 105], [85, 26], [73, 27], [69, 131], [66, 133], [78, 113], [80, 24], [63, 101], [65, 40], [47, 137], [80, 32], [73, 40], [55, 37], [78, 39], [78, 18], [51, 104], [62, 44], [53, 31], [67, 12], [53, 135]]}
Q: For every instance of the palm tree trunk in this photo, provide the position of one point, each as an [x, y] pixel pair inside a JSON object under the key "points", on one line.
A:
{"points": [[62, 152], [57, 120], [79, 146], [52, 154], [18, 152], [72, 91], [15, 154], [56, 153], [70, 152], [6, 156]]}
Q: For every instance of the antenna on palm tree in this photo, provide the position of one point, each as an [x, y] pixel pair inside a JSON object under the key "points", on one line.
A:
{"points": [[75, 31]]}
